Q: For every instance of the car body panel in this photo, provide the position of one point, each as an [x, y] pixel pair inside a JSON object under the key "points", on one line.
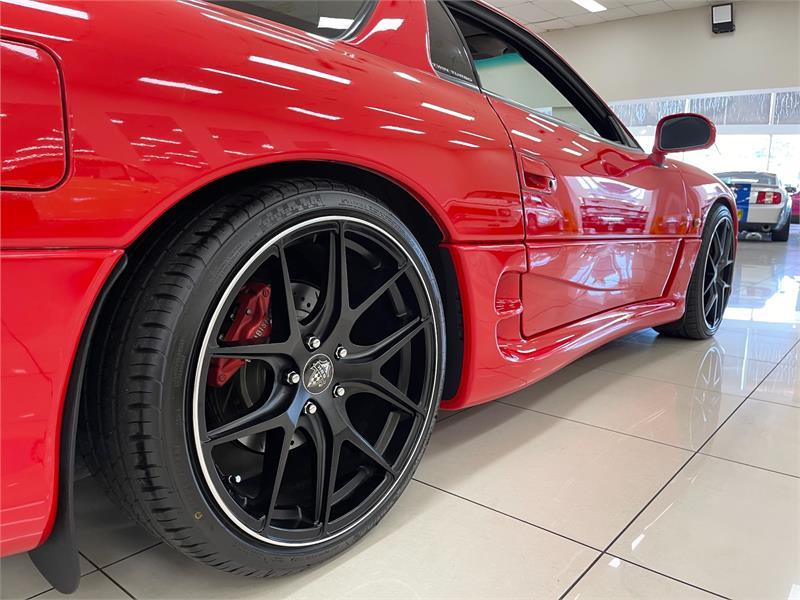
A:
{"points": [[589, 205], [260, 94], [46, 297], [512, 362], [32, 116], [150, 122]]}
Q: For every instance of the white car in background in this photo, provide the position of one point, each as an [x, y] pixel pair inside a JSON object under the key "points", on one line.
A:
{"points": [[761, 202]]}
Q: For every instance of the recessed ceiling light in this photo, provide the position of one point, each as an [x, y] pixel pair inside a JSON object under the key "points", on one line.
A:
{"points": [[590, 5]]}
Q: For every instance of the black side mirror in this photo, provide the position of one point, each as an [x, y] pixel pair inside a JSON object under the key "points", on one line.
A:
{"points": [[682, 132]]}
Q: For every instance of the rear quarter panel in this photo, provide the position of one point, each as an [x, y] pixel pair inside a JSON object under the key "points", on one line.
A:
{"points": [[164, 97]]}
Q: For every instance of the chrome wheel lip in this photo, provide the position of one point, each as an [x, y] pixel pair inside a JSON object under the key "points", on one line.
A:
{"points": [[232, 288]]}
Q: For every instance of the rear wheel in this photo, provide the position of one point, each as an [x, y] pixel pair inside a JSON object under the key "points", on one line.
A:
{"points": [[272, 379], [710, 284], [782, 234]]}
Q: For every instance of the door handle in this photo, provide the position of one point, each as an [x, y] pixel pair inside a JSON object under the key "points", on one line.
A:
{"points": [[536, 175]]}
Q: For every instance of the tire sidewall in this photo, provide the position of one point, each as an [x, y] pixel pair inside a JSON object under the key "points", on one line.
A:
{"points": [[695, 292]]}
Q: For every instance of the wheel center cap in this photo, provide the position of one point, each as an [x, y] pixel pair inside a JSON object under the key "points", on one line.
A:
{"points": [[318, 373]]}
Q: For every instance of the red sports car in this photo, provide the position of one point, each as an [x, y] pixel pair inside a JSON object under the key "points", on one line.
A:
{"points": [[250, 248]]}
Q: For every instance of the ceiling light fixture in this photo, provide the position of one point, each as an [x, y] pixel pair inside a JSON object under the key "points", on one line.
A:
{"points": [[590, 5]]}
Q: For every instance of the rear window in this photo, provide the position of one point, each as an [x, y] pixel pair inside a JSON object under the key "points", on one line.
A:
{"points": [[328, 18], [748, 177]]}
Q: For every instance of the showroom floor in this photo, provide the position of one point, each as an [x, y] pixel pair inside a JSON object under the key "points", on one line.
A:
{"points": [[652, 468]]}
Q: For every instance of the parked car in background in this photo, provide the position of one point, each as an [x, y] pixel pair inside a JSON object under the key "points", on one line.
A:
{"points": [[762, 203], [794, 200]]}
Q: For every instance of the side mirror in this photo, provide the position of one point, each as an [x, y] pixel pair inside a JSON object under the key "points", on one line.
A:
{"points": [[680, 133], [790, 189]]}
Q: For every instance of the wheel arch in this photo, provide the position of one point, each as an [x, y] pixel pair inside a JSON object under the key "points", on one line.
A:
{"points": [[410, 205], [725, 201], [49, 557]]}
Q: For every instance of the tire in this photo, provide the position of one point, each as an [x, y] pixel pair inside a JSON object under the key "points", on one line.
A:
{"points": [[695, 323], [156, 420], [782, 234]]}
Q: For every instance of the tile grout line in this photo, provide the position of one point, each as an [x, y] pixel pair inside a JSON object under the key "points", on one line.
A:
{"points": [[682, 467], [109, 576], [775, 402], [119, 560], [115, 582], [500, 512], [702, 589], [37, 594], [638, 437], [644, 439], [744, 464]]}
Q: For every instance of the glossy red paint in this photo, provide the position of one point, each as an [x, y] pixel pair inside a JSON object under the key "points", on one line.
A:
{"points": [[259, 94], [45, 296], [32, 146], [556, 252], [659, 153], [493, 370]]}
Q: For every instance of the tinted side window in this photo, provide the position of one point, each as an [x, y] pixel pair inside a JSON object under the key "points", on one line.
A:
{"points": [[504, 72], [329, 18], [448, 54]]}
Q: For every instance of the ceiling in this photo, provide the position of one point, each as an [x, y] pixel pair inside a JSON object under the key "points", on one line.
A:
{"points": [[547, 15]]}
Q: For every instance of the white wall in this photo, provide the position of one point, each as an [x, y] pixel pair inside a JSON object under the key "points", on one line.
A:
{"points": [[675, 53]]}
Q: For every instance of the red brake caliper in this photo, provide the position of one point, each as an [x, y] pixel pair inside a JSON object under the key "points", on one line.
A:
{"points": [[251, 321]]}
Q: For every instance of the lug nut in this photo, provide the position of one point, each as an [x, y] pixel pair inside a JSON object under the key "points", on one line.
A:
{"points": [[310, 408], [338, 391], [341, 352], [293, 377], [313, 342]]}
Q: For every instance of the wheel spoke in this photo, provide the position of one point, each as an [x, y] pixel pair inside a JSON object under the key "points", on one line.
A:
{"points": [[275, 462], [710, 305], [391, 344], [330, 486], [331, 306], [248, 351], [258, 421], [374, 296], [321, 449], [370, 451], [387, 391], [286, 283], [715, 245], [344, 282]]}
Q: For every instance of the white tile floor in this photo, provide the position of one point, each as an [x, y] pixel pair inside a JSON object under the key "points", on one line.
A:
{"points": [[652, 468]]}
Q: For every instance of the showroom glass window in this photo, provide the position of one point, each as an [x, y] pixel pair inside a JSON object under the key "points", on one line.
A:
{"points": [[503, 71], [328, 18], [448, 53]]}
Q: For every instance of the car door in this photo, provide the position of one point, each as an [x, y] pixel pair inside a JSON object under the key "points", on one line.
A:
{"points": [[603, 223]]}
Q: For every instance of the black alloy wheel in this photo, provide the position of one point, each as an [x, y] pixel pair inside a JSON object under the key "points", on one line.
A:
{"points": [[710, 284], [718, 273], [268, 376], [322, 418]]}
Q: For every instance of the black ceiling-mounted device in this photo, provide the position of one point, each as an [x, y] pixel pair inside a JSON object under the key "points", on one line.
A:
{"points": [[722, 18]]}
